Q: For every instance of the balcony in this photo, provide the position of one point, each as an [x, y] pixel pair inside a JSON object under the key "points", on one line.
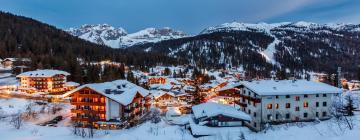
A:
{"points": [[82, 118], [88, 103], [241, 104], [88, 111]]}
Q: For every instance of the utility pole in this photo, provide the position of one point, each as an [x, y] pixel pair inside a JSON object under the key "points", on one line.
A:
{"points": [[339, 77]]}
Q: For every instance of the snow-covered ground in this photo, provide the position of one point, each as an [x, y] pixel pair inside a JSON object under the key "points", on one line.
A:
{"points": [[328, 130]]}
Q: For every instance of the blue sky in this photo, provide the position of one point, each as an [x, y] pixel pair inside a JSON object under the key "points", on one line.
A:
{"points": [[190, 16]]}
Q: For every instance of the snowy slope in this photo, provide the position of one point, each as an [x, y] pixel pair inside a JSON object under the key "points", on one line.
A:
{"points": [[118, 38], [266, 27]]}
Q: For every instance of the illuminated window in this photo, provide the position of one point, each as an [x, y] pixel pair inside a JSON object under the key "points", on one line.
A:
{"points": [[269, 106], [306, 104]]}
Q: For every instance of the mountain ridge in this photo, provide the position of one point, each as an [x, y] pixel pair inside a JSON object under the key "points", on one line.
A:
{"points": [[299, 47], [105, 34]]}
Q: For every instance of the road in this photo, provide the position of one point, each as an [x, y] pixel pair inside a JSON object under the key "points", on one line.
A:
{"points": [[9, 96]]}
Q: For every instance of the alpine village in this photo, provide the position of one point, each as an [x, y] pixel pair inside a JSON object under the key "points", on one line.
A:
{"points": [[232, 81]]}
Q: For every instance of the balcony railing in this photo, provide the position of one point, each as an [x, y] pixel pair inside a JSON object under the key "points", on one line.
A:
{"points": [[88, 103], [88, 111], [83, 118]]}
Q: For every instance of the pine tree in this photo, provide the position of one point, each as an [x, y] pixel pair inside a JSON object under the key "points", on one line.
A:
{"points": [[174, 74], [122, 71], [130, 77], [167, 72], [358, 72]]}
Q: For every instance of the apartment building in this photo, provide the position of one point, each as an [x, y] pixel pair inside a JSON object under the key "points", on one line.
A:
{"points": [[272, 101]]}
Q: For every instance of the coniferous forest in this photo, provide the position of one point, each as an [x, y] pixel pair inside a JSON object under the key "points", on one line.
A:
{"points": [[52, 48], [297, 53]]}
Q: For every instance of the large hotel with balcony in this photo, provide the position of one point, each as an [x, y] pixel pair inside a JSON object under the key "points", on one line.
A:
{"points": [[48, 81], [108, 105]]}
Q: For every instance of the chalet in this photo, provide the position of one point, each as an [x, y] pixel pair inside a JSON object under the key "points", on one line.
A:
{"points": [[167, 99], [156, 80], [227, 94], [353, 84], [9, 62], [218, 115], [272, 102], [48, 81], [164, 99], [108, 105]]}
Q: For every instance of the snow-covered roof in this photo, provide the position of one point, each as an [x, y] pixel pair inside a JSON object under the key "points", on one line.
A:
{"points": [[230, 86], [159, 93], [72, 84], [121, 91], [161, 86], [211, 109], [16, 59], [43, 73], [286, 87]]}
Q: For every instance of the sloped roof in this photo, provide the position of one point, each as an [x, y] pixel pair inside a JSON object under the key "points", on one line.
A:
{"points": [[211, 109], [43, 73], [286, 87], [159, 93], [128, 90]]}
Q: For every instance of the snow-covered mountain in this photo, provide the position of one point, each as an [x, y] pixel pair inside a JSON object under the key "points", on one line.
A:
{"points": [[266, 27], [118, 38]]}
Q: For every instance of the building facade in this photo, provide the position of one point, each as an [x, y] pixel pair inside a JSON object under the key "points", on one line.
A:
{"points": [[273, 102], [218, 115], [109, 105], [49, 81]]}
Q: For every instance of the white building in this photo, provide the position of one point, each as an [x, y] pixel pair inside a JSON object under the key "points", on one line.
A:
{"points": [[272, 102], [218, 115]]}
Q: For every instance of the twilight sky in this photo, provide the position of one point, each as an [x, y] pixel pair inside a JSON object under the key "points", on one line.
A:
{"points": [[190, 16]]}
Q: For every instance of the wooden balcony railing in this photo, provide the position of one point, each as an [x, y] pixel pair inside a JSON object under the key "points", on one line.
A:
{"points": [[88, 111]]}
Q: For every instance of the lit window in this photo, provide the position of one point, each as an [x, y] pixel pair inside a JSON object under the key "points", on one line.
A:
{"points": [[277, 106], [306, 104], [269, 106]]}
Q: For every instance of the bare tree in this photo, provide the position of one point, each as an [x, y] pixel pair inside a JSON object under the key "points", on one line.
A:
{"points": [[155, 116], [242, 136], [75, 129], [17, 120], [29, 112], [55, 108]]}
